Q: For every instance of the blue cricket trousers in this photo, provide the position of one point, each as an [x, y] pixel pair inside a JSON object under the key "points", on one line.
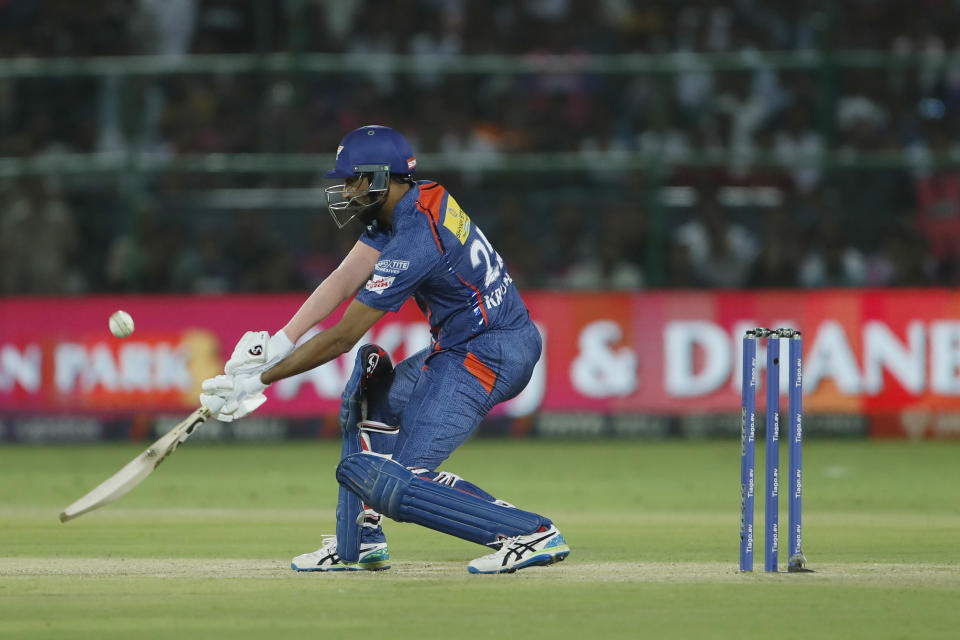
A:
{"points": [[439, 397]]}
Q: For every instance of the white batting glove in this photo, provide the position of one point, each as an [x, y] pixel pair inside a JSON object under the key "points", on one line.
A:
{"points": [[257, 351], [247, 396], [230, 398]]}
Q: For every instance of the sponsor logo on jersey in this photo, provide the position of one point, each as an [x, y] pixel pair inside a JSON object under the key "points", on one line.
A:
{"points": [[456, 220], [378, 284], [393, 266]]}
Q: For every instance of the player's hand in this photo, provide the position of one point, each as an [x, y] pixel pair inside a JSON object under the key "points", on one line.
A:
{"points": [[211, 399], [256, 351], [230, 398], [246, 397]]}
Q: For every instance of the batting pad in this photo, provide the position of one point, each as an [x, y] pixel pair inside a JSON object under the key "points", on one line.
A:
{"points": [[349, 507], [371, 364], [396, 492]]}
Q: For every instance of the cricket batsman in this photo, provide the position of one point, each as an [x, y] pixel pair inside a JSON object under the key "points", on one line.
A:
{"points": [[400, 423]]}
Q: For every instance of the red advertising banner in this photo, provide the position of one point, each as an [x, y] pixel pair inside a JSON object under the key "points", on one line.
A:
{"points": [[878, 352]]}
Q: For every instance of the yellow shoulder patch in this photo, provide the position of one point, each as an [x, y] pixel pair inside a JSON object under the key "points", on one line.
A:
{"points": [[456, 220]]}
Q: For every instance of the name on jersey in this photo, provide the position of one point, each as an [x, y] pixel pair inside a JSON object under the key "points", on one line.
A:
{"points": [[456, 220], [393, 266], [495, 297], [379, 284]]}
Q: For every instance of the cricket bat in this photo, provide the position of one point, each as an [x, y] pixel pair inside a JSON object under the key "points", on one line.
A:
{"points": [[135, 471]]}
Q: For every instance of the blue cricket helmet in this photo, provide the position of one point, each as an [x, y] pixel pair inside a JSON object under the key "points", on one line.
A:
{"points": [[373, 145]]}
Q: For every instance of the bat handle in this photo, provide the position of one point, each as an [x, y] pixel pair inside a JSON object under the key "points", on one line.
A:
{"points": [[202, 414]]}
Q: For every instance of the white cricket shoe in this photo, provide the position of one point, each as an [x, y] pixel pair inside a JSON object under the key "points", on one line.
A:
{"points": [[373, 557], [535, 549]]}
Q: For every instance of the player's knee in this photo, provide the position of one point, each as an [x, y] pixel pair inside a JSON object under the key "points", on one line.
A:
{"points": [[381, 483], [375, 362]]}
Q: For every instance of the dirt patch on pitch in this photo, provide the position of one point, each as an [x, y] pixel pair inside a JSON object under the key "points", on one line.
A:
{"points": [[143, 567], [880, 575]]}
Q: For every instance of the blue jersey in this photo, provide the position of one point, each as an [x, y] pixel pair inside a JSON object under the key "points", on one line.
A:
{"points": [[434, 252]]}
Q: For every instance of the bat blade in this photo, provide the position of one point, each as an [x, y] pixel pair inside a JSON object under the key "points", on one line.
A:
{"points": [[134, 472]]}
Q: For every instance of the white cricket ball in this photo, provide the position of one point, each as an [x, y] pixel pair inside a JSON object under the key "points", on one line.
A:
{"points": [[121, 324]]}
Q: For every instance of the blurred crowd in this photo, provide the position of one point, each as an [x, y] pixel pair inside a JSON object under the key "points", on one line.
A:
{"points": [[798, 198]]}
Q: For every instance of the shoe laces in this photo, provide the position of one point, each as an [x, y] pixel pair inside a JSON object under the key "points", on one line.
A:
{"points": [[505, 545], [508, 544], [327, 541]]}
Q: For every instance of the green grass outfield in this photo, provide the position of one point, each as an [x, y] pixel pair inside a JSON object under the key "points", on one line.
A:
{"points": [[202, 548]]}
